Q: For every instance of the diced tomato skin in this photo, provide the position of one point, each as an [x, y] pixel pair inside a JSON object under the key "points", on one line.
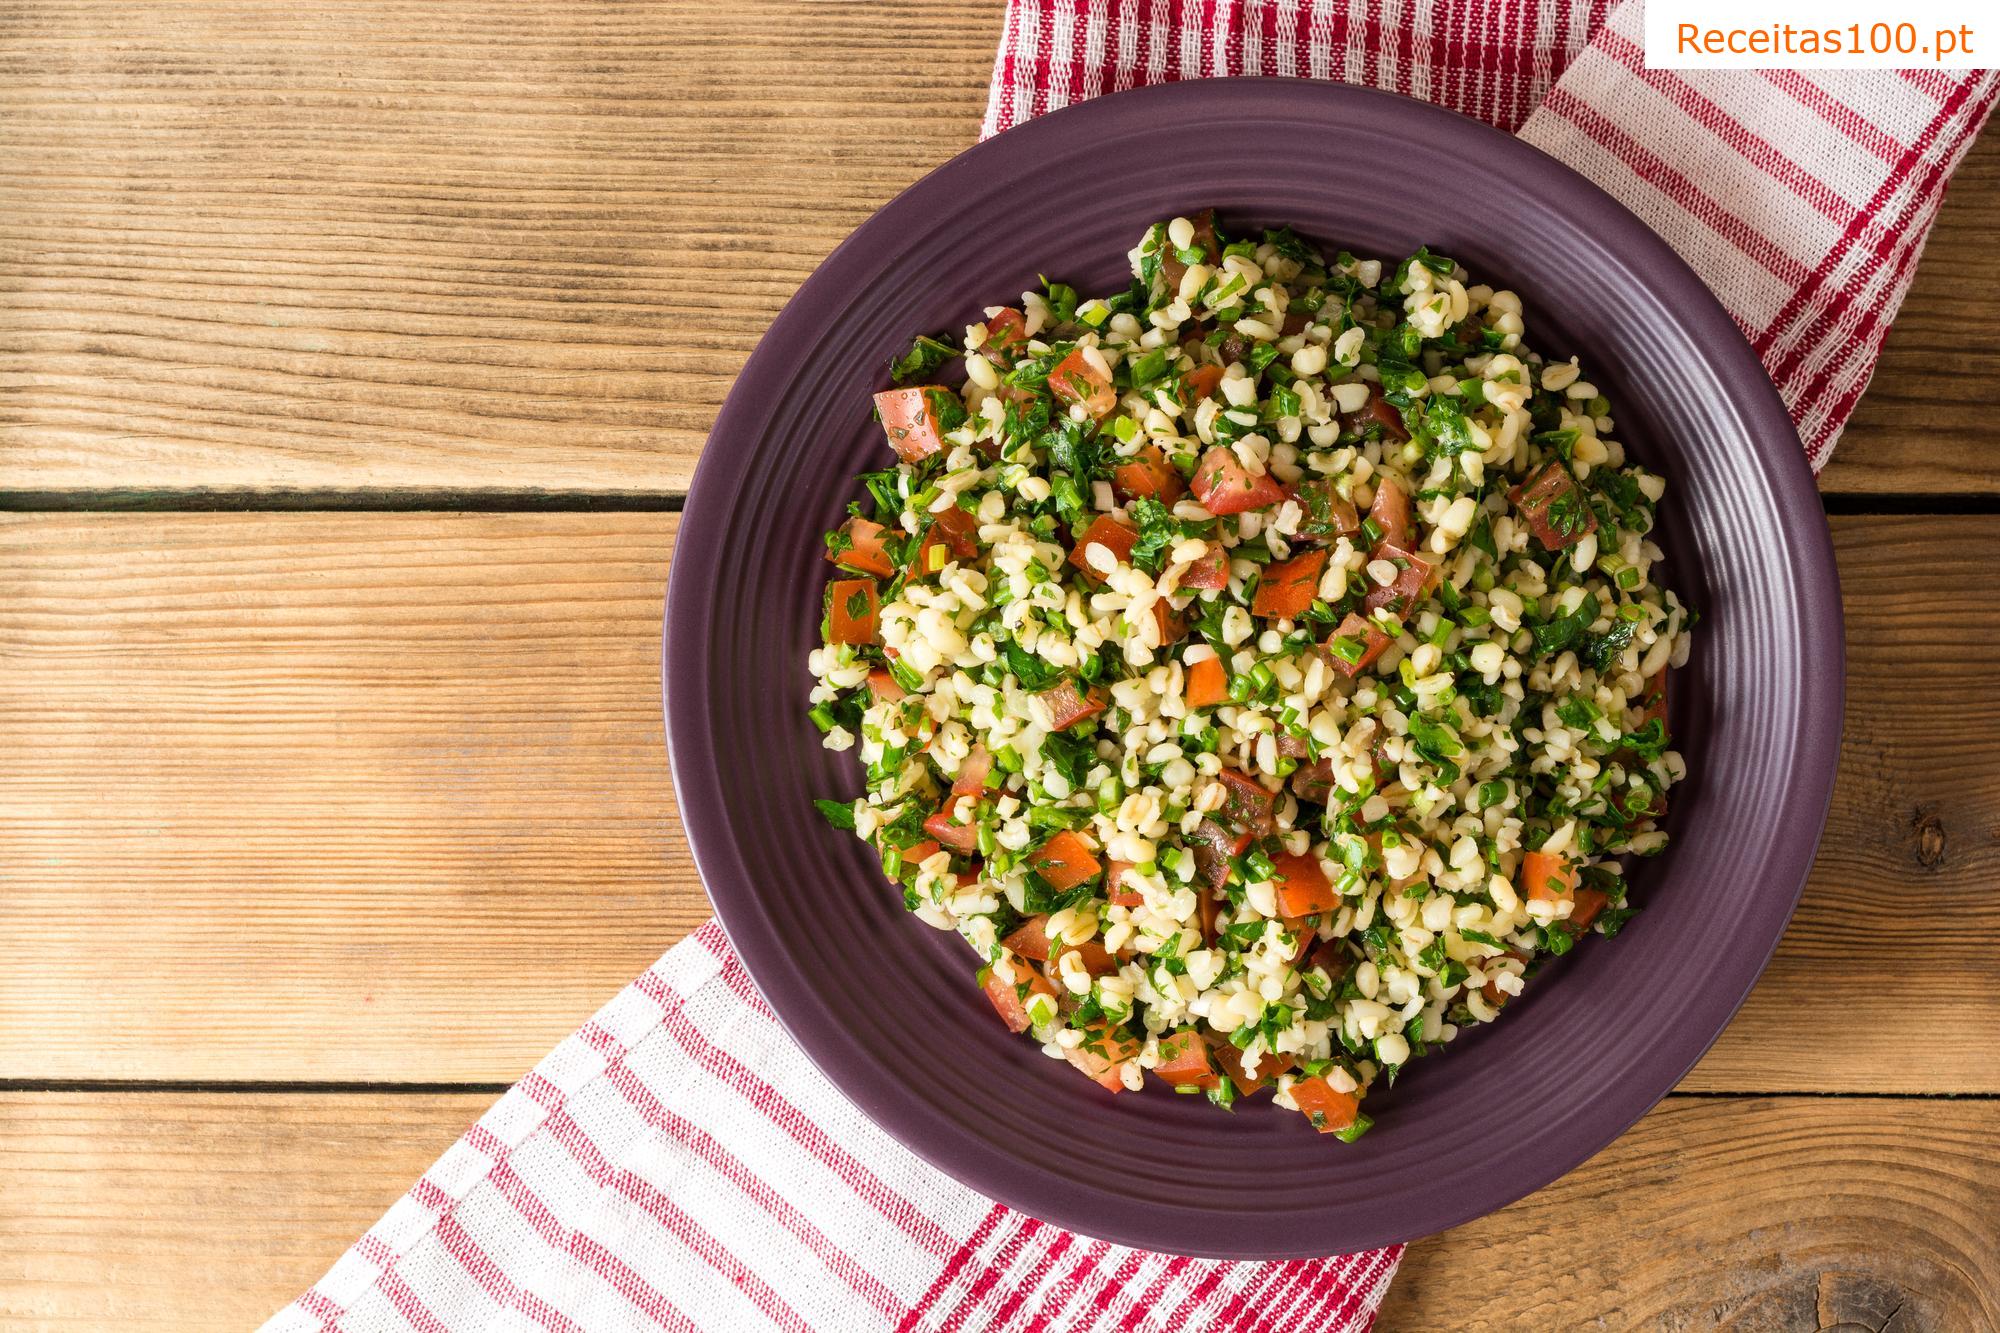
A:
{"points": [[1008, 998], [972, 772], [1114, 536], [1416, 578], [1030, 939], [1207, 684], [1006, 334], [882, 687], [1223, 485], [919, 852], [1210, 572], [1547, 877], [1328, 956], [1067, 705], [1172, 624], [1184, 1061], [1303, 887], [1202, 382], [1065, 861], [1381, 411], [946, 828], [1588, 903], [1250, 809], [1230, 1060], [1374, 642], [910, 420], [1313, 782], [853, 611], [1075, 380], [1289, 587], [1102, 1054], [865, 552], [1391, 511], [1537, 498], [1115, 891], [1327, 514], [1148, 475], [1329, 1111]]}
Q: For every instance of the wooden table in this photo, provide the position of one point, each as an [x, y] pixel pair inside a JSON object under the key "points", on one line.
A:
{"points": [[352, 360]]}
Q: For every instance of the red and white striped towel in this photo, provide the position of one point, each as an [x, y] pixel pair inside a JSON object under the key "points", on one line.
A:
{"points": [[678, 1164], [1803, 198]]}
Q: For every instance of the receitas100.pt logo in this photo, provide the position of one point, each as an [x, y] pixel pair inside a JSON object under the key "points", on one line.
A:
{"points": [[1811, 34]]}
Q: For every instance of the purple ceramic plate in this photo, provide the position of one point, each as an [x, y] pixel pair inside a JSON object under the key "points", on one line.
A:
{"points": [[887, 1008]]}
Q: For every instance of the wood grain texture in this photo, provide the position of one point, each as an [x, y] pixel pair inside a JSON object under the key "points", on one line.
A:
{"points": [[393, 247], [197, 1212], [1779, 1214], [174, 1211], [383, 797]]}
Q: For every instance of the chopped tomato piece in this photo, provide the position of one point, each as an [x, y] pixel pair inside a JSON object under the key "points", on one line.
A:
{"points": [[972, 772], [1065, 861], [1313, 782], [1491, 990], [1589, 902], [1184, 1061], [918, 852], [852, 610], [1173, 625], [1068, 705], [1289, 587], [916, 419], [1329, 1111], [1115, 537], [1075, 380], [1210, 572], [1381, 412], [1330, 958], [1115, 891], [959, 531], [946, 828], [1224, 486], [1303, 887], [882, 687], [1547, 877], [1249, 809], [1416, 578], [1148, 475], [1202, 382], [1030, 939], [1212, 846], [865, 550], [1010, 999], [1326, 513], [1391, 511], [1207, 684], [1006, 334], [1102, 1054], [1557, 512], [1355, 630], [1269, 1066]]}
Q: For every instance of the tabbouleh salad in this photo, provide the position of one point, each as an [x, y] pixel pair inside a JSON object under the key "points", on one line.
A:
{"points": [[1260, 667]]}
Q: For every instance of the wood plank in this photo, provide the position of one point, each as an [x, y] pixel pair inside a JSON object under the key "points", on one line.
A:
{"points": [[393, 247], [390, 245], [382, 797], [1747, 1214], [198, 1211]]}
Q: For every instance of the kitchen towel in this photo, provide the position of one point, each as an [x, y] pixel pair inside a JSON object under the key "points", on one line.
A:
{"points": [[677, 1163], [1802, 197]]}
